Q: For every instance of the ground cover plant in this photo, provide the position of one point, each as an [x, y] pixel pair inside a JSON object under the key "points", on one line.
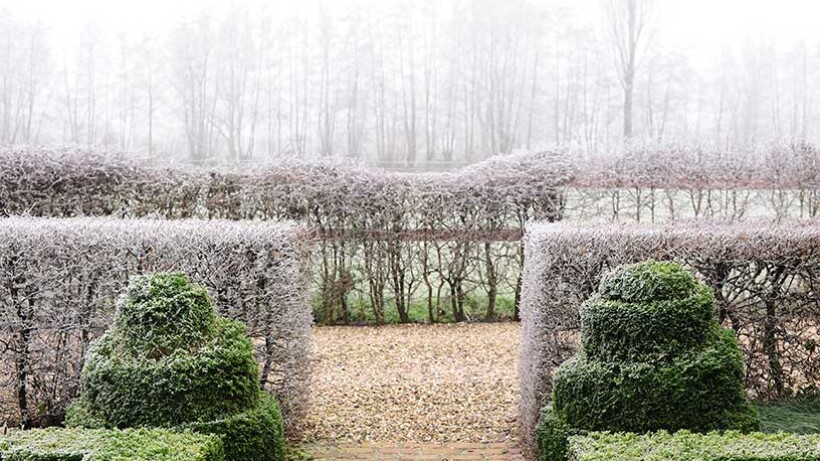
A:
{"points": [[652, 357], [688, 446], [799, 414], [54, 444], [763, 277], [59, 280], [170, 361]]}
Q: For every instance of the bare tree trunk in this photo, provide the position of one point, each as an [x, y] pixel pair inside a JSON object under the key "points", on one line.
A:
{"points": [[492, 282]]}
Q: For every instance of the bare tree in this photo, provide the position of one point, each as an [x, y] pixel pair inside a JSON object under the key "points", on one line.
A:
{"points": [[628, 21]]}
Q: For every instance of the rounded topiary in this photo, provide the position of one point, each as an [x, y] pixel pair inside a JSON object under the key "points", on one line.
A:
{"points": [[169, 361], [652, 357], [647, 309], [164, 313]]}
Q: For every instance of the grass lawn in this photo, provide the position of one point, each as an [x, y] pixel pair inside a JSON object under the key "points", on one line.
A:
{"points": [[800, 415]]}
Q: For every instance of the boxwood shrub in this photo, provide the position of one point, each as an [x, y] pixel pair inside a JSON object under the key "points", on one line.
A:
{"points": [[56, 444], [652, 358], [689, 446], [169, 361], [255, 434]]}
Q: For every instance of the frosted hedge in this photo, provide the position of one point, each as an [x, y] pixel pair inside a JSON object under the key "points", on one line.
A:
{"points": [[766, 280], [684, 182], [391, 238], [59, 279]]}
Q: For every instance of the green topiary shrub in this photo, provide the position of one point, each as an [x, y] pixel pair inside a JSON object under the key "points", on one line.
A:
{"points": [[169, 361], [55, 444], [131, 389], [553, 435], [652, 358], [255, 434]]}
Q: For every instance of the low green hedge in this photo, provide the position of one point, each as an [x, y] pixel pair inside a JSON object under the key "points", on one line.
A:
{"points": [[688, 446], [701, 391], [255, 434], [552, 436], [56, 444]]}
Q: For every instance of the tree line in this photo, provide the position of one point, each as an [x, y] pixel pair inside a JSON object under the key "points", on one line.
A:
{"points": [[405, 84]]}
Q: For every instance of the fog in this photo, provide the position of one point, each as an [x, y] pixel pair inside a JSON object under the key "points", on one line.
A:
{"points": [[417, 84]]}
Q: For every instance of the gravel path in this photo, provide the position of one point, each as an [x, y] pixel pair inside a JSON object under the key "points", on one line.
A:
{"points": [[414, 383]]}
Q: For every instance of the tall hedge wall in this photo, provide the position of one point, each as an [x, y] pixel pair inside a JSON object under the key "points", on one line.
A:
{"points": [[375, 226], [391, 239], [59, 279], [765, 279]]}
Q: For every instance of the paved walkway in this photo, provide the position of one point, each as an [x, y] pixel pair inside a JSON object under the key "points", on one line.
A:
{"points": [[414, 392], [422, 452], [424, 384]]}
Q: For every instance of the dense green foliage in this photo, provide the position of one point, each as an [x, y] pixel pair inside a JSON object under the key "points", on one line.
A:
{"points": [[688, 446], [553, 436], [255, 434], [199, 373], [701, 390], [131, 389], [109, 445], [623, 331], [652, 358], [159, 315]]}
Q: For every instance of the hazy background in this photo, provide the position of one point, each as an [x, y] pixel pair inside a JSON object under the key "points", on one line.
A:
{"points": [[413, 84]]}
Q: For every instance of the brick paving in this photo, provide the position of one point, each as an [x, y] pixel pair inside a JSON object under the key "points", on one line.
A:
{"points": [[411, 451]]}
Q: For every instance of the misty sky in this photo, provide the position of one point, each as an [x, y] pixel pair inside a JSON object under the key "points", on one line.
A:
{"points": [[700, 28]]}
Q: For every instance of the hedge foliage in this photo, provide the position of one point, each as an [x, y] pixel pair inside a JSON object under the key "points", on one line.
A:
{"points": [[255, 434], [700, 391], [653, 183], [162, 314], [763, 276], [459, 230], [198, 373], [375, 225], [688, 378], [552, 436], [640, 310], [688, 446], [220, 378], [59, 280], [55, 444]]}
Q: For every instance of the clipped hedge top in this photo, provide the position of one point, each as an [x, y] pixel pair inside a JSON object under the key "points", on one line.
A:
{"points": [[164, 312], [56, 444], [646, 309], [687, 446], [647, 281]]}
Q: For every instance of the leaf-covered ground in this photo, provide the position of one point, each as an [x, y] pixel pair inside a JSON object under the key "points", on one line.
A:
{"points": [[414, 383]]}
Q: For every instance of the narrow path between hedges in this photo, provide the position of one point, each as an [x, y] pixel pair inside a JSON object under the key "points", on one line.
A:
{"points": [[414, 392]]}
